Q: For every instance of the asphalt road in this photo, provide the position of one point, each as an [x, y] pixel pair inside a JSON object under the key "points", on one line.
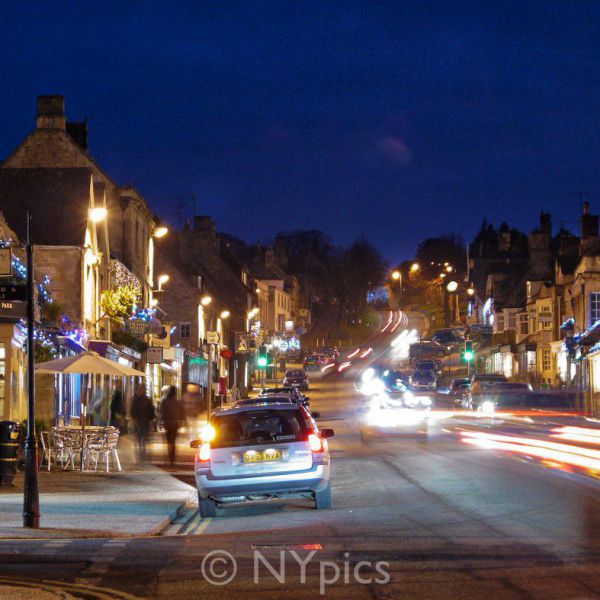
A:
{"points": [[436, 517]]}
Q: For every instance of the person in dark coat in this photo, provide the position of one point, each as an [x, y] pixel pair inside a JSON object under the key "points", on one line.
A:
{"points": [[142, 411], [117, 407], [171, 412]]}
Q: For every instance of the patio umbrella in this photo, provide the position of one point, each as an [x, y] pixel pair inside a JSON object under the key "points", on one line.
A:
{"points": [[87, 363]]}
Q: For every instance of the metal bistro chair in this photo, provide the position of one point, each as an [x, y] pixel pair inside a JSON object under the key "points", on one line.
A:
{"points": [[102, 446], [52, 448], [72, 443]]}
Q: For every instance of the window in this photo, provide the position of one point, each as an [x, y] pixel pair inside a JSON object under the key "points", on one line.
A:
{"points": [[546, 359], [523, 324], [594, 307], [499, 322], [512, 321], [184, 330]]}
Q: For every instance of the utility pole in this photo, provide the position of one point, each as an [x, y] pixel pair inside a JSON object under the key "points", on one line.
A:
{"points": [[31, 497], [209, 387]]}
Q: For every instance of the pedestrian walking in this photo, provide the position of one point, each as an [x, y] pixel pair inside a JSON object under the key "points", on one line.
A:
{"points": [[143, 413], [117, 408], [171, 412]]}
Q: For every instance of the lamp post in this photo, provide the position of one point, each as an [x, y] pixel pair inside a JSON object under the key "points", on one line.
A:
{"points": [[397, 276], [31, 498]]}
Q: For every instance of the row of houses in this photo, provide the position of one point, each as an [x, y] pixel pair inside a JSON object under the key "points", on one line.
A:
{"points": [[538, 301], [110, 278]]}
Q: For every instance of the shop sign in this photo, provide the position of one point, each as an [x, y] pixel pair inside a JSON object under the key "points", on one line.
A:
{"points": [[5, 262], [242, 343], [213, 337], [13, 310], [138, 327], [154, 355]]}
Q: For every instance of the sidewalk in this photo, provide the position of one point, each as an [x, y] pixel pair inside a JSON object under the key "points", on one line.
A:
{"points": [[140, 500]]}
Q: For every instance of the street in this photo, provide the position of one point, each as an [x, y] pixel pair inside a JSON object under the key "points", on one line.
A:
{"points": [[441, 518]]}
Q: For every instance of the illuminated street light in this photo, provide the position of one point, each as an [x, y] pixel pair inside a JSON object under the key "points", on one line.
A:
{"points": [[97, 214], [160, 231], [162, 279], [396, 275], [442, 275], [470, 291], [154, 302], [448, 269], [452, 286], [415, 267], [225, 314], [253, 312], [205, 300], [446, 264]]}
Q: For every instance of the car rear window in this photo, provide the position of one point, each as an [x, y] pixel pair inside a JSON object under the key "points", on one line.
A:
{"points": [[296, 373], [262, 426]]}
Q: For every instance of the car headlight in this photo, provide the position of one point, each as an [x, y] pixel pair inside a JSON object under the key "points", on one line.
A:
{"points": [[425, 401], [488, 407]]}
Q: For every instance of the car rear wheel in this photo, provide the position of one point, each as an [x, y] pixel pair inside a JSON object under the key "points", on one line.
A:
{"points": [[323, 498], [208, 508]]}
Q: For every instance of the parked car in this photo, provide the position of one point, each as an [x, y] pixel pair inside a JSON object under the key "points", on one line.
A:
{"points": [[258, 451], [423, 380], [458, 385], [296, 377], [293, 392]]}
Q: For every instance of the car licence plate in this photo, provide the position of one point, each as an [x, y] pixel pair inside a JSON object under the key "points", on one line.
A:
{"points": [[255, 456]]}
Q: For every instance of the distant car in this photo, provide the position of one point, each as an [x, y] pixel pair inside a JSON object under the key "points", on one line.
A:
{"points": [[481, 381], [314, 362], [458, 385], [423, 380], [428, 365], [293, 392], [495, 399], [296, 377], [267, 399], [256, 452]]}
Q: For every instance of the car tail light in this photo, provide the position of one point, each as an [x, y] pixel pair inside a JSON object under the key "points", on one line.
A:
{"points": [[204, 452], [315, 442]]}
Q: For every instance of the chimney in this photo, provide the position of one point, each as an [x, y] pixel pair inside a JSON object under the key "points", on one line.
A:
{"points": [[78, 130], [589, 223], [50, 112], [546, 223]]}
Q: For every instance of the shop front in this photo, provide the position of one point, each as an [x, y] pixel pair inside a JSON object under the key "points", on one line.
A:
{"points": [[13, 393]]}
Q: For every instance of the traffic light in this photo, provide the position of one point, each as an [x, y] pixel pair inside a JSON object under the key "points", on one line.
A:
{"points": [[468, 353], [263, 360]]}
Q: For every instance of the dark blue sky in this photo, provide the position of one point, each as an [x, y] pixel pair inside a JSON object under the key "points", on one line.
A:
{"points": [[399, 120]]}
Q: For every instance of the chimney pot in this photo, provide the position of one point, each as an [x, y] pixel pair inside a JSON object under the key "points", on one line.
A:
{"points": [[50, 112]]}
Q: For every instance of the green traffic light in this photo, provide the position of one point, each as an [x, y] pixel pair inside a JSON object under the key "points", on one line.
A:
{"points": [[262, 361], [468, 355]]}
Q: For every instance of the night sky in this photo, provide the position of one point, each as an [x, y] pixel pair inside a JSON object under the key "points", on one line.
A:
{"points": [[399, 120]]}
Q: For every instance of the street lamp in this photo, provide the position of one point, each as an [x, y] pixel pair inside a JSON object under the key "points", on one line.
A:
{"points": [[97, 214], [415, 267], [448, 269], [396, 275], [205, 300], [470, 291], [452, 286], [160, 231], [252, 313], [162, 279], [225, 314]]}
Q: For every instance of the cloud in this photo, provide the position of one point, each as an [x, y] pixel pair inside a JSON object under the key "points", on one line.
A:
{"points": [[395, 150]]}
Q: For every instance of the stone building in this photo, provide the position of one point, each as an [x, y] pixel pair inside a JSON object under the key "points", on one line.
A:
{"points": [[87, 231], [199, 265]]}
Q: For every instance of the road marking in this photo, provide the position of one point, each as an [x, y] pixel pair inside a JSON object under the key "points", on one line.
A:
{"points": [[203, 526]]}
